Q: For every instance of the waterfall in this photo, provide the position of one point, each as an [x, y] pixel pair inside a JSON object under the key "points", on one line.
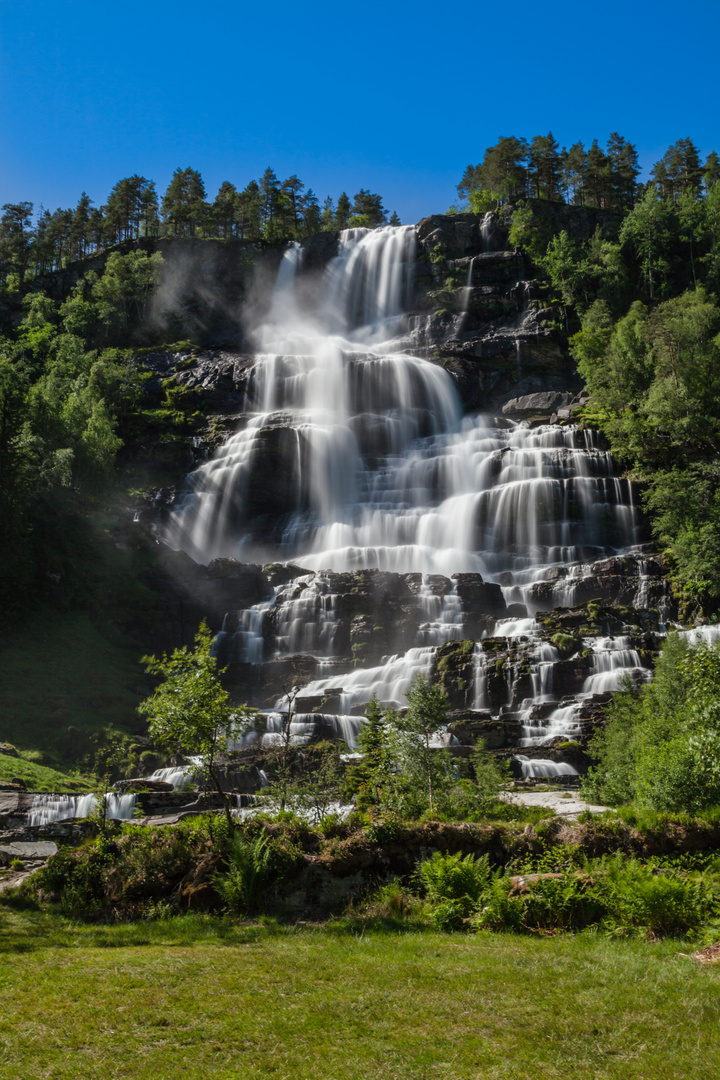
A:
{"points": [[444, 616], [480, 699], [613, 660], [180, 776], [353, 454], [708, 635], [379, 466], [241, 639], [539, 768], [48, 808]]}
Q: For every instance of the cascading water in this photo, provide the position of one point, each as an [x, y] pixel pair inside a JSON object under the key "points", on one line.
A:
{"points": [[49, 808], [377, 468], [385, 472]]}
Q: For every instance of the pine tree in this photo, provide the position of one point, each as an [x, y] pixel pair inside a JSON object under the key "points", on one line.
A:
{"points": [[623, 171], [248, 212], [711, 170], [16, 237], [597, 177], [573, 166], [678, 170], [426, 714], [183, 205], [327, 215], [293, 188], [223, 210], [545, 167], [79, 227], [269, 191], [343, 211], [503, 173], [310, 211], [369, 205]]}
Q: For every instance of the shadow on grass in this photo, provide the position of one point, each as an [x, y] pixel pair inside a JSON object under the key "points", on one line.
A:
{"points": [[24, 929]]}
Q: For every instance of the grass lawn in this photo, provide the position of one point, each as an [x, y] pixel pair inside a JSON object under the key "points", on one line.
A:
{"points": [[203, 1000]]}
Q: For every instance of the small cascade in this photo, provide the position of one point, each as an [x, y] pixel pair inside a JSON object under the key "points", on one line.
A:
{"points": [[180, 776], [443, 616], [467, 295], [613, 660], [480, 694], [543, 660], [486, 230], [708, 635], [305, 725], [307, 616], [241, 639], [388, 682], [562, 723], [538, 768], [513, 628], [48, 808]]}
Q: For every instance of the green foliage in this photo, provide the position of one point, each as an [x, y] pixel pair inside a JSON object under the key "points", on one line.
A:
{"points": [[454, 877], [372, 779], [316, 786], [424, 768], [190, 711], [76, 879], [453, 885], [617, 893], [655, 377], [250, 867], [125, 875], [661, 746]]}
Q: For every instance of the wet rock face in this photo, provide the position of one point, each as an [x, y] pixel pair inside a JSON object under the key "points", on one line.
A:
{"points": [[485, 319], [531, 405], [459, 234], [454, 672]]}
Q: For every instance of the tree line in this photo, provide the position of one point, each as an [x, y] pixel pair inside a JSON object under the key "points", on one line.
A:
{"points": [[515, 168], [267, 209]]}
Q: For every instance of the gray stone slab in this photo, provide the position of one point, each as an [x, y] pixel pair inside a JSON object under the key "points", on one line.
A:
{"points": [[560, 802], [19, 849]]}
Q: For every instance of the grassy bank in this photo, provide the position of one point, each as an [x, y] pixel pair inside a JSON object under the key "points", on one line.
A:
{"points": [[207, 999]]}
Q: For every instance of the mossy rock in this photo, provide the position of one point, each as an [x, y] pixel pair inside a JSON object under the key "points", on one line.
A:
{"points": [[566, 644]]}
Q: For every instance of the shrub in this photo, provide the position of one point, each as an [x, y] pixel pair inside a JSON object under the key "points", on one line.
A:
{"points": [[250, 866], [391, 903], [453, 885], [663, 901], [614, 893]]}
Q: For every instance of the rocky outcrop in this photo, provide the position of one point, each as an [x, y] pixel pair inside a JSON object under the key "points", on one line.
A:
{"points": [[531, 406], [454, 672], [459, 235]]}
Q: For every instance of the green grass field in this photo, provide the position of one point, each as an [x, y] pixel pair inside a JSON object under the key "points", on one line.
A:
{"points": [[203, 1000]]}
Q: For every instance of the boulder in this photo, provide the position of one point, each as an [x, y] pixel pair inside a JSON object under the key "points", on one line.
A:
{"points": [[523, 408], [26, 851], [142, 784]]}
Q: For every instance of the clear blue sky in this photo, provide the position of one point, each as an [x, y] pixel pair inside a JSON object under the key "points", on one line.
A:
{"points": [[396, 96]]}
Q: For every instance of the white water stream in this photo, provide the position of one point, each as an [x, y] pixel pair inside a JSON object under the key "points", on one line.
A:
{"points": [[48, 808]]}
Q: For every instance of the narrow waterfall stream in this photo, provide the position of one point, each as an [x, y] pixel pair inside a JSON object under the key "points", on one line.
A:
{"points": [[354, 455]]}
